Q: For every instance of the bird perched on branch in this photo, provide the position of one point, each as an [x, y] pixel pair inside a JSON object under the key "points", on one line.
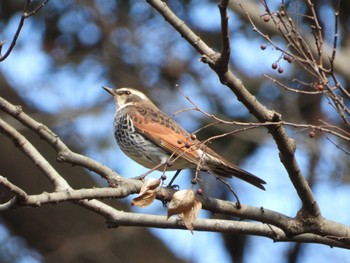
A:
{"points": [[156, 141]]}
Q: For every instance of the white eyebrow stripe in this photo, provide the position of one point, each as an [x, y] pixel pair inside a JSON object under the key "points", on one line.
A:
{"points": [[138, 93]]}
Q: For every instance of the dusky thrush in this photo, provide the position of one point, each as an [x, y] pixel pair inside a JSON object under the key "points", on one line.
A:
{"points": [[154, 140]]}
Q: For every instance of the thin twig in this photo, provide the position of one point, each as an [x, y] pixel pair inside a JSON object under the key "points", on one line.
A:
{"points": [[292, 89], [326, 128], [304, 56], [24, 16], [335, 38], [238, 203], [19, 192], [225, 34]]}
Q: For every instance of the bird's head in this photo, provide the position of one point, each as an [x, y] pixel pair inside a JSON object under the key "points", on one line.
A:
{"points": [[128, 96]]}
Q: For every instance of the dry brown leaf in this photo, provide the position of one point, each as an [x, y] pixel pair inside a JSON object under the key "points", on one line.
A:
{"points": [[190, 216], [147, 193], [181, 202], [144, 200], [150, 184], [186, 205]]}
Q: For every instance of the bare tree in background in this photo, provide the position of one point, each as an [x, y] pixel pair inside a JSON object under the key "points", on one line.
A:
{"points": [[300, 42]]}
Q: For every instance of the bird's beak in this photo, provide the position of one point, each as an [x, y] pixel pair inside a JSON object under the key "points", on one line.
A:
{"points": [[109, 90]]}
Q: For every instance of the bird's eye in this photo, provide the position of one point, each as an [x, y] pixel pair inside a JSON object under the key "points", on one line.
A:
{"points": [[127, 92]]}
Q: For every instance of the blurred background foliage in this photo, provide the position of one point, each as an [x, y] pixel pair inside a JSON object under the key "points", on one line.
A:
{"points": [[69, 49]]}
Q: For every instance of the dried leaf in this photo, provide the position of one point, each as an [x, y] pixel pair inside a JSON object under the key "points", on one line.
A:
{"points": [[147, 193], [190, 216], [144, 200], [150, 184], [182, 201], [186, 205]]}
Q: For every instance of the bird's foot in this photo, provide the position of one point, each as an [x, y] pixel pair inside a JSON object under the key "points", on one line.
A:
{"points": [[170, 185]]}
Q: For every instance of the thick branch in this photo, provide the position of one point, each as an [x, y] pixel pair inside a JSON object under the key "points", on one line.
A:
{"points": [[278, 227], [226, 226], [285, 144], [117, 218]]}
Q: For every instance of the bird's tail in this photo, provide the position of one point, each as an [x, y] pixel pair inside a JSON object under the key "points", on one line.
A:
{"points": [[229, 170]]}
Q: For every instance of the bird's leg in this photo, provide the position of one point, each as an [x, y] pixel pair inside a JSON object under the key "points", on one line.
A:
{"points": [[174, 177], [142, 176]]}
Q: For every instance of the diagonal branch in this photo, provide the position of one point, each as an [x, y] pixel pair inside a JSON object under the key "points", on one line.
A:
{"points": [[184, 31], [285, 144], [33, 154], [64, 153], [24, 16]]}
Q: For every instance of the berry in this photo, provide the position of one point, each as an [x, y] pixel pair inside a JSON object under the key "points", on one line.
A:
{"points": [[163, 177], [263, 46], [285, 57], [312, 134], [274, 65], [280, 70], [199, 191], [266, 18]]}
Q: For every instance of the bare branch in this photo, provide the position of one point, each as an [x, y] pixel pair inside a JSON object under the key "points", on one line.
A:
{"points": [[293, 89], [64, 153], [13, 188], [307, 226], [226, 226], [226, 48], [285, 144], [278, 227], [35, 10], [183, 29], [28, 149], [8, 205], [302, 53], [335, 39], [24, 16], [325, 128]]}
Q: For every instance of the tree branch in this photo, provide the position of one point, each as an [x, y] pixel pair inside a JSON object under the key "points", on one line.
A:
{"points": [[64, 153], [28, 149], [307, 226], [226, 50], [24, 16], [285, 144], [278, 227]]}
